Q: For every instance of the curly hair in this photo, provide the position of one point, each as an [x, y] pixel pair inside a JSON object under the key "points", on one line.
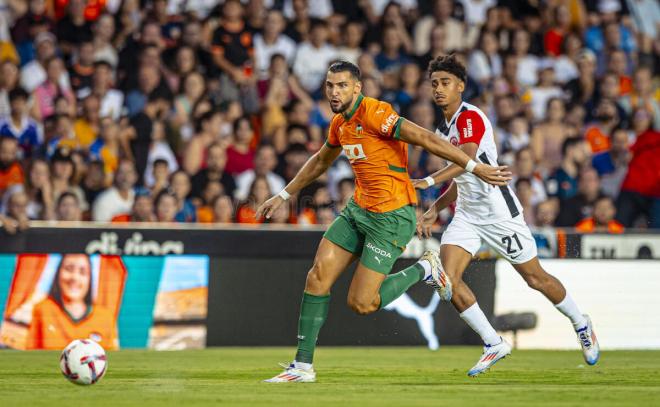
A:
{"points": [[448, 63]]}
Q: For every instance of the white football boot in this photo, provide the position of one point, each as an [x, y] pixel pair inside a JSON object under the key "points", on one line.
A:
{"points": [[587, 338], [492, 354], [438, 280], [292, 374]]}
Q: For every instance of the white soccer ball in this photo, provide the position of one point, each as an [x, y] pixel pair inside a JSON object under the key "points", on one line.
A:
{"points": [[83, 361]]}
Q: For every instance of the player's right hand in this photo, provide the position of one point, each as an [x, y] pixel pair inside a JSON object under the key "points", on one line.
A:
{"points": [[420, 183], [426, 222], [267, 209], [493, 175]]}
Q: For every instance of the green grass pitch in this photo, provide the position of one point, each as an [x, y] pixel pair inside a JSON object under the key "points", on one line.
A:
{"points": [[346, 377]]}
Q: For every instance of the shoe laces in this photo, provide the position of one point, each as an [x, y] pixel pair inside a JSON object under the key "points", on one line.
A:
{"points": [[585, 338]]}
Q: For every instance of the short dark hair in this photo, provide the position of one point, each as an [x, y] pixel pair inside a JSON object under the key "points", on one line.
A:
{"points": [[18, 93], [448, 63], [345, 66], [570, 143], [67, 194]]}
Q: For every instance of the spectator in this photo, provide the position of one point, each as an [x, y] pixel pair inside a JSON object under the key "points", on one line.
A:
{"points": [[598, 133], [63, 173], [107, 148], [68, 208], [104, 31], [216, 161], [88, 125], [39, 191], [353, 33], [46, 93], [240, 154], [524, 193], [94, 181], [166, 205], [272, 42], [556, 34], [640, 192], [643, 95], [208, 132], [193, 90], [393, 56], [582, 88], [9, 75], [453, 31], [233, 48], [475, 11], [525, 169], [142, 210], [223, 210], [546, 213], [549, 136], [33, 73], [19, 125], [566, 64], [545, 90], [11, 172], [485, 63], [15, 219], [119, 198], [581, 206], [73, 29], [612, 165], [265, 161], [602, 220], [528, 64], [180, 186], [81, 70], [112, 100], [142, 124], [314, 57], [564, 182], [259, 193]]}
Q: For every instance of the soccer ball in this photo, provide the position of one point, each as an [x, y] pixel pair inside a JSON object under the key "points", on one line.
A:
{"points": [[83, 362]]}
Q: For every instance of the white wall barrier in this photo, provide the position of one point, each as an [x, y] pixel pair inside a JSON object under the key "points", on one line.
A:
{"points": [[621, 296]]}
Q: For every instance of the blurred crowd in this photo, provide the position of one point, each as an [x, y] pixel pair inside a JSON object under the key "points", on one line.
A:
{"points": [[200, 110]]}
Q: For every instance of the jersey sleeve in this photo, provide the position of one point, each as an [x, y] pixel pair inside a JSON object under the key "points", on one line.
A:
{"points": [[471, 127], [382, 120], [333, 138]]}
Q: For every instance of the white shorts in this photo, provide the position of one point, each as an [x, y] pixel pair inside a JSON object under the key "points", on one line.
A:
{"points": [[511, 238]]}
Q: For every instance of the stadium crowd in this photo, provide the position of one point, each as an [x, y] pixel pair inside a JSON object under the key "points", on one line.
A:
{"points": [[199, 110]]}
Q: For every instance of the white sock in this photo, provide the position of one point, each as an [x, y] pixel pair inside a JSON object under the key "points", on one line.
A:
{"points": [[569, 308], [302, 365], [427, 268], [476, 319]]}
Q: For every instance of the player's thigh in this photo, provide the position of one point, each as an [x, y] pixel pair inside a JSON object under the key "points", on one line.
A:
{"points": [[459, 243], [329, 262], [385, 237], [511, 239]]}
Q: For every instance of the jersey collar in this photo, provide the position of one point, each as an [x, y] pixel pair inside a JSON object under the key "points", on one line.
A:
{"points": [[461, 108], [347, 116]]}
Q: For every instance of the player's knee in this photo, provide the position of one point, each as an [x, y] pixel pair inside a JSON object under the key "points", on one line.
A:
{"points": [[361, 306], [316, 283]]}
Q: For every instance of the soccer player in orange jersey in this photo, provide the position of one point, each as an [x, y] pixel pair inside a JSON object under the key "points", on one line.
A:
{"points": [[379, 220]]}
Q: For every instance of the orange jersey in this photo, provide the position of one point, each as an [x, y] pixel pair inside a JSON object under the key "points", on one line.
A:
{"points": [[52, 327], [369, 135]]}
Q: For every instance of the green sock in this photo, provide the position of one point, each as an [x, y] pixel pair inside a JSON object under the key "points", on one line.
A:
{"points": [[397, 284], [313, 312]]}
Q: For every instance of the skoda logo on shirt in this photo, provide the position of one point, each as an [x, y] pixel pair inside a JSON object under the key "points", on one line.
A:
{"points": [[354, 152]]}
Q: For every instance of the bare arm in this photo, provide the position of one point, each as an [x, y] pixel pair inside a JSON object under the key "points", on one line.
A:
{"points": [[427, 220], [449, 172], [419, 136], [313, 168]]}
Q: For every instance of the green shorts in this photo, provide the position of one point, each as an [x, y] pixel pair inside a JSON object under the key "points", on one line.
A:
{"points": [[378, 238]]}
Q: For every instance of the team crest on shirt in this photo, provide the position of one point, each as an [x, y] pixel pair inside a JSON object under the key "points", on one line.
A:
{"points": [[354, 152], [95, 336], [358, 131], [453, 141]]}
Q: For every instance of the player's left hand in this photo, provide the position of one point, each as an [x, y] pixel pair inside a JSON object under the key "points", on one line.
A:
{"points": [[269, 207], [426, 222], [420, 183], [493, 175]]}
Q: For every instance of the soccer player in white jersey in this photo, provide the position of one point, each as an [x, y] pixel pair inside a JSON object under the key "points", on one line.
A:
{"points": [[485, 213]]}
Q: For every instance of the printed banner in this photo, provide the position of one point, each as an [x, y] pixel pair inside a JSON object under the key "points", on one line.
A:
{"points": [[48, 300]]}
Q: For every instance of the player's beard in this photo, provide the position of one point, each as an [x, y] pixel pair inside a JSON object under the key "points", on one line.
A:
{"points": [[341, 108]]}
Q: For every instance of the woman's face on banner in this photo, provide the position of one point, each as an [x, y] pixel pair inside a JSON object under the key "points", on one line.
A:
{"points": [[75, 277]]}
